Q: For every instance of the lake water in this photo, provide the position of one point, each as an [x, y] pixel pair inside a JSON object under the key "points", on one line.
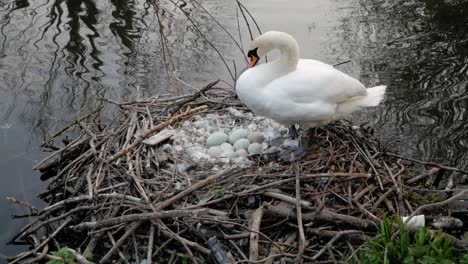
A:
{"points": [[57, 58]]}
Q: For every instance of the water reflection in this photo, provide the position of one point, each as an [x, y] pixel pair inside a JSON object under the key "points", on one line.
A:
{"points": [[419, 49]]}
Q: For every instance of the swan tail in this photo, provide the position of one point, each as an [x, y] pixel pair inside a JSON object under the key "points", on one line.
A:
{"points": [[375, 95]]}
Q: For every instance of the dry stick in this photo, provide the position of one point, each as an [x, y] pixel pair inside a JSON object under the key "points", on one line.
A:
{"points": [[193, 188], [149, 256], [82, 157], [401, 206], [427, 163], [324, 215], [309, 176], [330, 243], [382, 198], [34, 228], [169, 233], [72, 144], [425, 174], [80, 258], [74, 123], [274, 251], [154, 129], [88, 179], [358, 236], [370, 160], [255, 222], [136, 217], [302, 240], [283, 197], [41, 255], [44, 242], [121, 255], [196, 95], [272, 184], [119, 242], [242, 226]]}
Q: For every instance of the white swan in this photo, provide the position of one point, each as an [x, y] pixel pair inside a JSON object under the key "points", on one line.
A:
{"points": [[292, 91]]}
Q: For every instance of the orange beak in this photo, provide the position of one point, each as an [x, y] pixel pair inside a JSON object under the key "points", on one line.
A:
{"points": [[253, 61]]}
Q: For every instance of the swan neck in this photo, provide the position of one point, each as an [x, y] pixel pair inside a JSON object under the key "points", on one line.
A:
{"points": [[289, 57]]}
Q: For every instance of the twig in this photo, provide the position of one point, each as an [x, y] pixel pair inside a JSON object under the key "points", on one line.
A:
{"points": [[425, 174], [44, 242], [136, 217], [427, 163], [332, 241], [193, 188], [119, 242], [302, 240], [149, 255], [340, 63], [401, 206], [255, 221], [121, 255]]}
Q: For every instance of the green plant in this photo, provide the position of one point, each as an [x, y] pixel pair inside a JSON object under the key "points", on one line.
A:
{"points": [[218, 193], [67, 257], [399, 246]]}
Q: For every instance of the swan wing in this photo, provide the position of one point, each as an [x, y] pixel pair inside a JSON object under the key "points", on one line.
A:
{"points": [[314, 81]]}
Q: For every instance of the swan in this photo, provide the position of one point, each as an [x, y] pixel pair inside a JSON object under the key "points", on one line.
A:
{"points": [[294, 91]]}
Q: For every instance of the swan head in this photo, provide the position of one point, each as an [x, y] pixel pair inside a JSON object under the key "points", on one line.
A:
{"points": [[272, 40]]}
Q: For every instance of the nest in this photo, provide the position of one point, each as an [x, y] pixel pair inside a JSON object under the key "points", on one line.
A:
{"points": [[113, 198]]}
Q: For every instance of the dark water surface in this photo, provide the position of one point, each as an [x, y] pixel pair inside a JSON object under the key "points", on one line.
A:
{"points": [[58, 57]]}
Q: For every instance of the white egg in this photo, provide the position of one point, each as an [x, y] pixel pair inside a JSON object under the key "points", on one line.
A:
{"points": [[242, 143], [226, 146], [238, 134], [256, 137], [216, 139], [214, 152], [255, 148]]}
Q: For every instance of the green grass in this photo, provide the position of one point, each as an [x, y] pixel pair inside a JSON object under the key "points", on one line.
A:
{"points": [[66, 257], [400, 246]]}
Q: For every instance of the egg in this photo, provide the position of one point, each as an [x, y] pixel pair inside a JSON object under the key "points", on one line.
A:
{"points": [[255, 148], [256, 137], [238, 134], [242, 143], [214, 152], [216, 139]]}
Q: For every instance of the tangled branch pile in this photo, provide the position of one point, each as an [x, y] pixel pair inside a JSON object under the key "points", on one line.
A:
{"points": [[114, 198]]}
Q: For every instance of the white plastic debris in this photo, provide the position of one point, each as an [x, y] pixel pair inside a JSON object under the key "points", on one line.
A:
{"points": [[417, 220]]}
